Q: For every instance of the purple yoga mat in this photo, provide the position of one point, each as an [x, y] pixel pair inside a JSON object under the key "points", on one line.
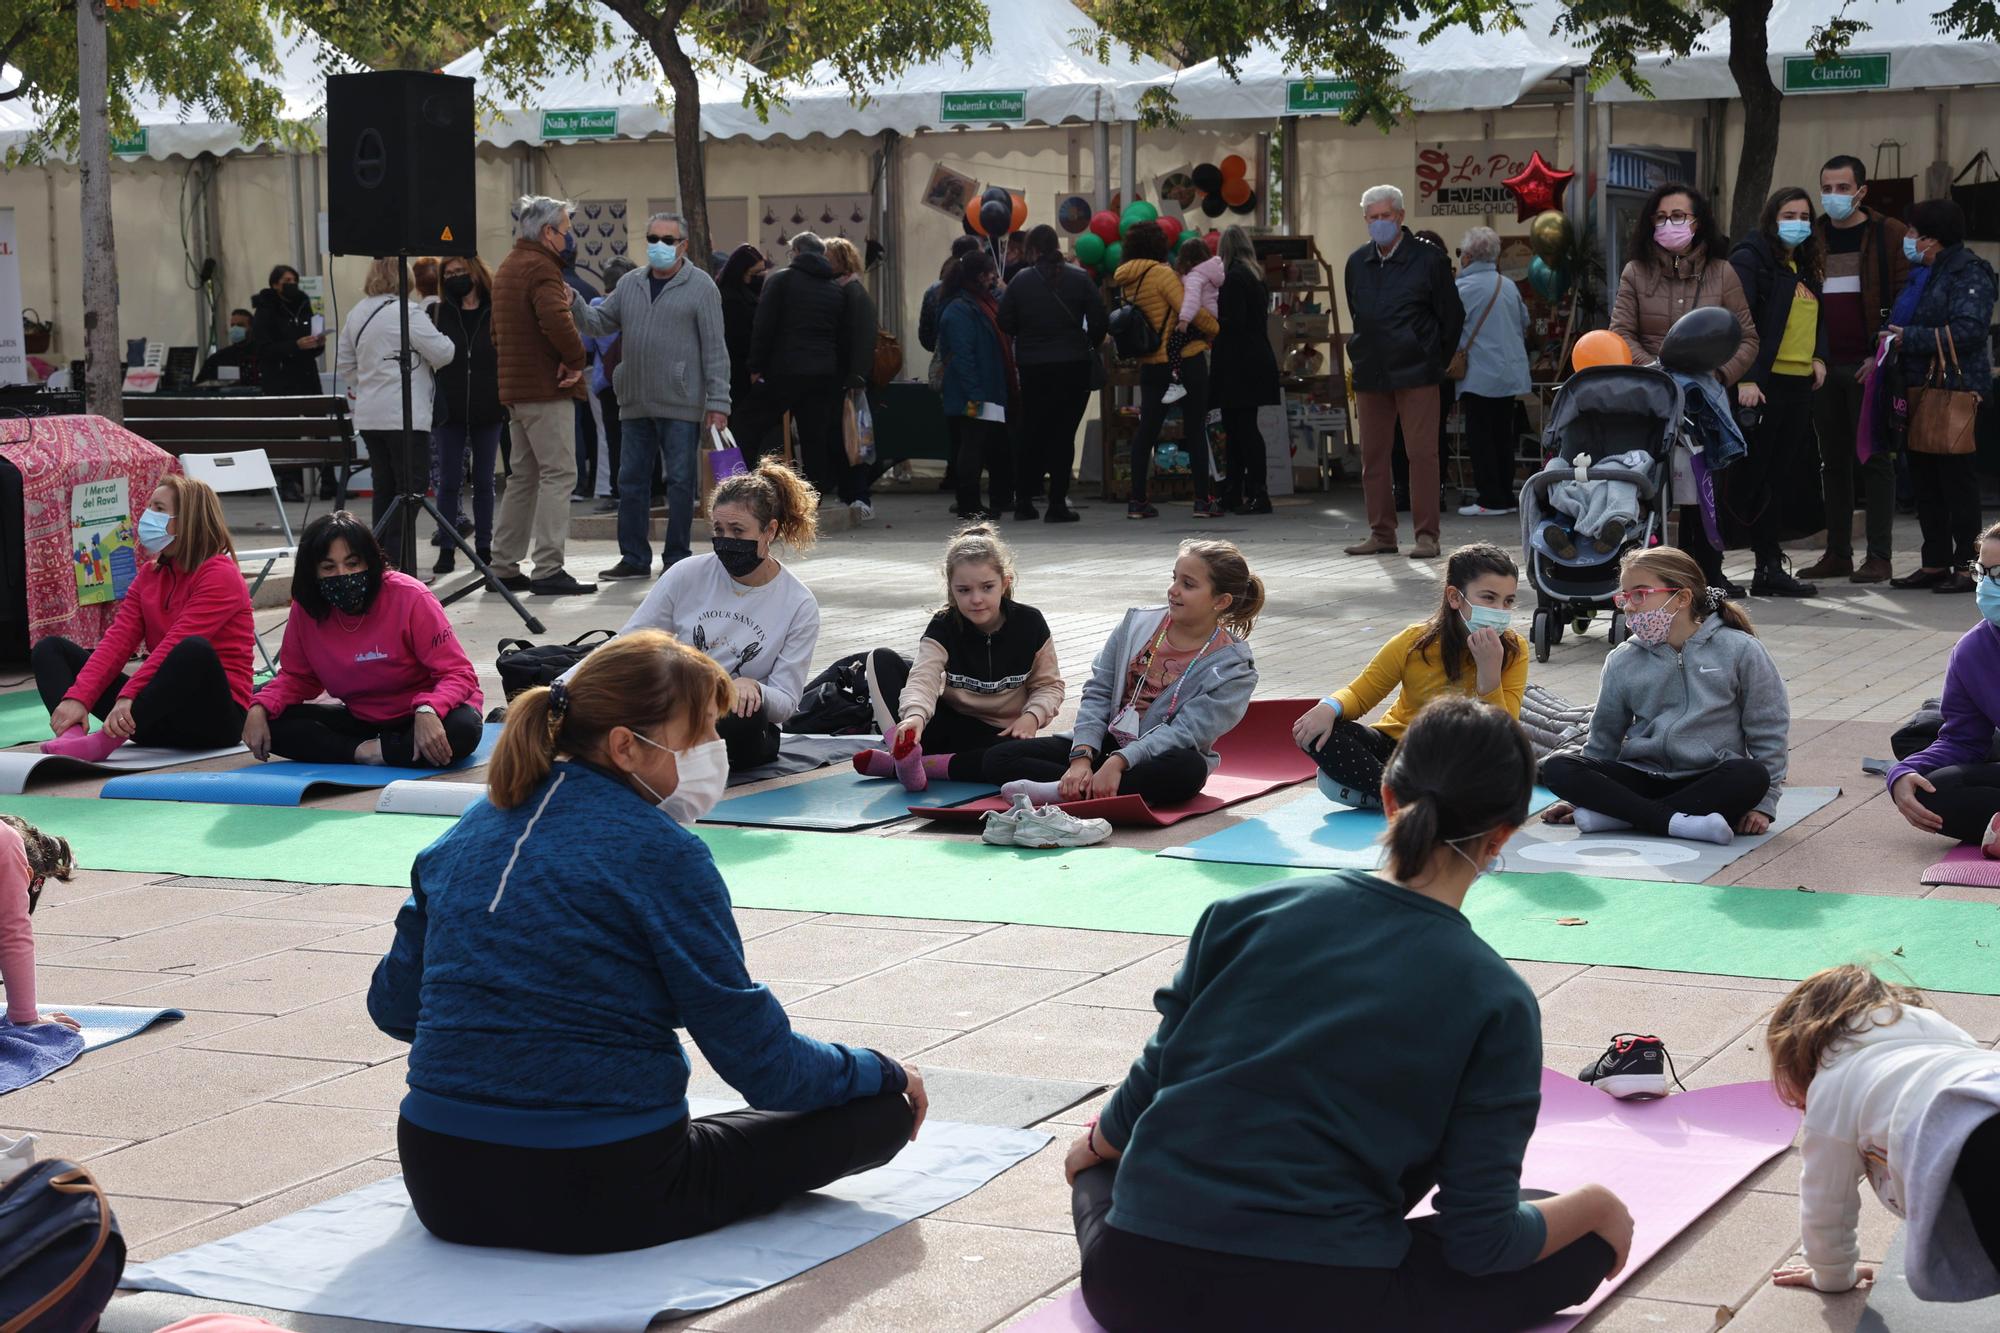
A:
{"points": [[1965, 865], [1670, 1160]]}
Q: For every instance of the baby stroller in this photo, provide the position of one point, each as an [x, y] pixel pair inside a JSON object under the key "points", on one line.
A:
{"points": [[1601, 411]]}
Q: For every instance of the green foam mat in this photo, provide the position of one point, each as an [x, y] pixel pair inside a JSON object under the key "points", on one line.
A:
{"points": [[22, 718]]}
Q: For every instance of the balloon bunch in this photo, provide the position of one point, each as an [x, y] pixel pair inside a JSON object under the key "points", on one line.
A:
{"points": [[1102, 247], [1538, 192], [996, 212], [1224, 186]]}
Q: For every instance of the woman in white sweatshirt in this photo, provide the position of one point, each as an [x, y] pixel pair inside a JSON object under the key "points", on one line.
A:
{"points": [[1896, 1093], [369, 361]]}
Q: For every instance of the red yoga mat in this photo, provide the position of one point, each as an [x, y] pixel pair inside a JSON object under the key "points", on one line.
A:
{"points": [[1258, 755]]}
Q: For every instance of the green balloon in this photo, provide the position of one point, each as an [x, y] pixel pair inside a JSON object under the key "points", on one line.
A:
{"points": [[1089, 249], [1136, 212], [1114, 255]]}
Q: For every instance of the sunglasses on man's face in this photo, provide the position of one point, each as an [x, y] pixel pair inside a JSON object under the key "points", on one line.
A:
{"points": [[662, 240]]}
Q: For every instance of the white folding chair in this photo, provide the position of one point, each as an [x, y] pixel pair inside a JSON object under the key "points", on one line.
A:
{"points": [[231, 474]]}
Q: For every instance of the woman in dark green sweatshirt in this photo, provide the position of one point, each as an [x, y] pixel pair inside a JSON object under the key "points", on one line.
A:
{"points": [[1311, 1081]]}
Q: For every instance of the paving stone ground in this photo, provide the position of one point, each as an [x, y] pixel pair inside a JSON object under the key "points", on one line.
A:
{"points": [[277, 1093]]}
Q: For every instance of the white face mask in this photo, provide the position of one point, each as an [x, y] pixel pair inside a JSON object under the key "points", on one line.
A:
{"points": [[704, 775]]}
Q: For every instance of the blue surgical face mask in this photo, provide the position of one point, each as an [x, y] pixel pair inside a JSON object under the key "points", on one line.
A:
{"points": [[1383, 231], [153, 534], [1989, 599], [237, 333], [1792, 231], [1910, 251], [661, 254], [1488, 617], [1838, 206]]}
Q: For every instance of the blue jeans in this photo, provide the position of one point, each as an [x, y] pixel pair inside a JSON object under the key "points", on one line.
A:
{"points": [[641, 440], [449, 445]]}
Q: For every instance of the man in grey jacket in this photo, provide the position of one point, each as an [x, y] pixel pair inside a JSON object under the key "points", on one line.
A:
{"points": [[672, 383]]}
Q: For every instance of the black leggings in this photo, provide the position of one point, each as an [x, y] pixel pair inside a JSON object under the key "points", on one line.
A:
{"points": [[684, 1180], [1977, 1176], [329, 734], [1355, 755], [976, 446], [1053, 400], [185, 706], [966, 739], [1153, 382], [1245, 479], [1966, 799], [750, 741], [1134, 1284], [1647, 801], [1168, 779]]}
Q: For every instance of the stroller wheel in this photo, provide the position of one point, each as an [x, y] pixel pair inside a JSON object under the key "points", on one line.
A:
{"points": [[1617, 633], [1542, 632], [1581, 623]]}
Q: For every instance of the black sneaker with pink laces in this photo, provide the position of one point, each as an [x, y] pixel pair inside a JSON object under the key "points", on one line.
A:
{"points": [[1632, 1066]]}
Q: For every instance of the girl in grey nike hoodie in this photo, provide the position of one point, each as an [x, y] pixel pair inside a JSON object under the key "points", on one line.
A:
{"points": [[1692, 723]]}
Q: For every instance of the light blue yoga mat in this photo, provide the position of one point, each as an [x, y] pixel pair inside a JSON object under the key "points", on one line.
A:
{"points": [[1311, 833], [29, 1054], [840, 801], [283, 782], [364, 1255]]}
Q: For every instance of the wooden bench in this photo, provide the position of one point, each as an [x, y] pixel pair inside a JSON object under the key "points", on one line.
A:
{"points": [[297, 433]]}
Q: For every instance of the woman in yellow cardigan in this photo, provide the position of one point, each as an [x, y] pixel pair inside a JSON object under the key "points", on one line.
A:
{"points": [[1467, 647], [1148, 281]]}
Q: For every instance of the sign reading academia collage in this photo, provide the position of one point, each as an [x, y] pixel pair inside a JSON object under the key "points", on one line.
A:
{"points": [[1462, 178], [102, 543], [990, 107]]}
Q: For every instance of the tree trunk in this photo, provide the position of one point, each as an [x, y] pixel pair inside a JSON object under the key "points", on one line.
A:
{"points": [[690, 155], [103, 359], [1749, 51]]}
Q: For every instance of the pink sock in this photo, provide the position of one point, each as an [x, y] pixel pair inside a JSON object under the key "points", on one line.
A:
{"points": [[875, 764], [93, 748], [911, 770], [938, 766]]}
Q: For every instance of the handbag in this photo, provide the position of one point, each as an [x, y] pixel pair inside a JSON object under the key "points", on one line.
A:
{"points": [[724, 458], [1941, 419], [523, 665], [1461, 360], [888, 359], [857, 428], [61, 1252]]}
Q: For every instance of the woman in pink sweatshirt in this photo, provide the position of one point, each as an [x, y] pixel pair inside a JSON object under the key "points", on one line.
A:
{"points": [[28, 856], [403, 691], [190, 608]]}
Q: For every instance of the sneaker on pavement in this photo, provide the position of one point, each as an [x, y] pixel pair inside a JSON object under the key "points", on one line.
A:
{"points": [[1350, 797], [606, 504], [1000, 824], [622, 570], [1046, 826], [560, 584], [1175, 392], [1481, 511], [1140, 509], [1631, 1066], [861, 511]]}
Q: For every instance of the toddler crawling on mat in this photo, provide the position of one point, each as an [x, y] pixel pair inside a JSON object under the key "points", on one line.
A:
{"points": [[28, 858]]}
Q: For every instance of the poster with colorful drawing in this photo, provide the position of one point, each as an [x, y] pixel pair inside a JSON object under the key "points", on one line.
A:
{"points": [[103, 543]]}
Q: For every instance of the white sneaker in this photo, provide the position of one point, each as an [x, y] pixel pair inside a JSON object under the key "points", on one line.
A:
{"points": [[1347, 796], [1174, 393], [1001, 824], [862, 511], [1481, 511], [1050, 827]]}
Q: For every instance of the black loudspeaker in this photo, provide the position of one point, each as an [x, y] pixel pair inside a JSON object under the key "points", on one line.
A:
{"points": [[399, 164]]}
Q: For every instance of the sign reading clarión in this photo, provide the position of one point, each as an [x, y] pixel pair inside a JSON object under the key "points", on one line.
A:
{"points": [[1848, 74], [1310, 97], [133, 145], [1005, 106], [590, 123]]}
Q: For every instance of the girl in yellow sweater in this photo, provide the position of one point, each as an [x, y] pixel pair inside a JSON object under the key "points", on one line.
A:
{"points": [[1467, 647]]}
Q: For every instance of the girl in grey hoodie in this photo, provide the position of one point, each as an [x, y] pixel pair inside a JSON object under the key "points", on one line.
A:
{"points": [[1689, 736]]}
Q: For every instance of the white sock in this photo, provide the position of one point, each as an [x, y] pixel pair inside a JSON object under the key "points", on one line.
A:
{"points": [[1041, 793], [1701, 828], [1592, 821]]}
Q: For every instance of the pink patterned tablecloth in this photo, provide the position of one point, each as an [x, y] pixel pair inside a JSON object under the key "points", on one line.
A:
{"points": [[55, 454]]}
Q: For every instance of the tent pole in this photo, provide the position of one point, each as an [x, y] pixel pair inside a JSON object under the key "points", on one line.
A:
{"points": [[1131, 164], [1600, 157], [314, 260], [298, 203], [1579, 102], [1288, 168], [1264, 180], [1100, 164], [889, 299]]}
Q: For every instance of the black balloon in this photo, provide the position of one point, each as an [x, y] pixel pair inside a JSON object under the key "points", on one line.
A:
{"points": [[1701, 341], [1207, 178], [1247, 206], [998, 192], [995, 215], [1212, 205]]}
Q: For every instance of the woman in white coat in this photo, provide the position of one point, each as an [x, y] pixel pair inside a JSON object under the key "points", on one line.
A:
{"points": [[369, 363]]}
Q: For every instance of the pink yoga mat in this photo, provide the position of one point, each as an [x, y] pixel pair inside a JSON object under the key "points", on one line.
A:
{"points": [[1965, 865], [1670, 1160]]}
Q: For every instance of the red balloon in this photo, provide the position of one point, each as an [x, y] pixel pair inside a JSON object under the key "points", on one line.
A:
{"points": [[1105, 224], [1172, 227], [1538, 188], [1234, 168], [1212, 240], [972, 208]]}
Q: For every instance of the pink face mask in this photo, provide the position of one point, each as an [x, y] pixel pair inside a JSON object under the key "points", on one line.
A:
{"points": [[1674, 237]]}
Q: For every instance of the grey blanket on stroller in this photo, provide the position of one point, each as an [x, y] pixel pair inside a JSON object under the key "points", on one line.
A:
{"points": [[1553, 723], [1594, 503]]}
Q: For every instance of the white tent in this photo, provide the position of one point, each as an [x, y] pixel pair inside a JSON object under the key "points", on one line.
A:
{"points": [[1900, 48]]}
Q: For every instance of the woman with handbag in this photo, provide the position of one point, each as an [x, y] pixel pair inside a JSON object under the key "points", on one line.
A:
{"points": [[1491, 367], [1055, 315], [1155, 290], [1948, 365], [1244, 370]]}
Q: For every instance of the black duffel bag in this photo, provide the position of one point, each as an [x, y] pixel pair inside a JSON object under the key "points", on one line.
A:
{"points": [[523, 665], [61, 1253], [1923, 727], [836, 701]]}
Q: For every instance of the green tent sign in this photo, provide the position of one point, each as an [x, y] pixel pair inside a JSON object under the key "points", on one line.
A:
{"points": [[133, 145], [1309, 97], [1004, 106], [590, 123], [1848, 74]]}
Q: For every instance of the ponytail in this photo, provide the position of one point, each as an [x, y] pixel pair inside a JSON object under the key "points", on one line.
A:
{"points": [[526, 752], [1677, 569], [1462, 770], [773, 493], [1412, 836], [1229, 572], [1718, 605]]}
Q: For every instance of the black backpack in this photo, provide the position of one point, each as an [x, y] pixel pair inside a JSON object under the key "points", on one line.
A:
{"points": [[1132, 334], [523, 665], [61, 1252], [835, 702]]}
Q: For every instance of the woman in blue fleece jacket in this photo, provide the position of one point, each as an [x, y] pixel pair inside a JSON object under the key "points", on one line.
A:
{"points": [[556, 938]]}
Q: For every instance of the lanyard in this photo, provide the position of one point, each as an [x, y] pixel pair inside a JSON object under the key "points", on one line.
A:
{"points": [[1146, 666]]}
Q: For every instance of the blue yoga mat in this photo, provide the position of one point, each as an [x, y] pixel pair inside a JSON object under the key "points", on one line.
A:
{"points": [[284, 782], [1310, 833], [840, 801], [29, 1054]]}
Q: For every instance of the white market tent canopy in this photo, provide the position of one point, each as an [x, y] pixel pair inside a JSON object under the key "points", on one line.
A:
{"points": [[1901, 48], [169, 128]]}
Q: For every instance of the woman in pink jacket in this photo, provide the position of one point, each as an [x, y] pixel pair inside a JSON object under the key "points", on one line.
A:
{"points": [[404, 692], [28, 856]]}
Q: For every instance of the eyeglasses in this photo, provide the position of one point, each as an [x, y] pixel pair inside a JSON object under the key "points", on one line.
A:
{"points": [[1989, 572], [1677, 217], [662, 240], [1633, 596]]}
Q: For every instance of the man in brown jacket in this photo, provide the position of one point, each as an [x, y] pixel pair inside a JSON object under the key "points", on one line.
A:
{"points": [[541, 378]]}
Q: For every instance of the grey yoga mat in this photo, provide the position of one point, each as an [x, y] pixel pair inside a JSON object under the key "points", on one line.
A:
{"points": [[1894, 1308], [1559, 848]]}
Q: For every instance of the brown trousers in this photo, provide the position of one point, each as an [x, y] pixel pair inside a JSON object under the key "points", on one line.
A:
{"points": [[1380, 410]]}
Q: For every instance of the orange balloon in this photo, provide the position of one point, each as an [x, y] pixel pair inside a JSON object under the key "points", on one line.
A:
{"points": [[1600, 347], [1234, 168], [1235, 191], [1020, 213], [972, 217]]}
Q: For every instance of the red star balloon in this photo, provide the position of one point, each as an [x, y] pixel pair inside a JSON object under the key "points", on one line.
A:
{"points": [[1538, 188]]}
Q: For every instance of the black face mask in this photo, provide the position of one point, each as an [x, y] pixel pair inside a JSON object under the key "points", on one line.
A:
{"points": [[345, 592], [458, 286], [757, 284], [739, 555], [289, 293]]}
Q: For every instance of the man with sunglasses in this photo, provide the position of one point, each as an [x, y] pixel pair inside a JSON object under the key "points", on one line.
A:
{"points": [[671, 382]]}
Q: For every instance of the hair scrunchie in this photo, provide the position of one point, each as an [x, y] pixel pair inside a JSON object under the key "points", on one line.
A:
{"points": [[1713, 598], [558, 708]]}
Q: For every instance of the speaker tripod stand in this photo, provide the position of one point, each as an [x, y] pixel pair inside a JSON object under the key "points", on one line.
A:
{"points": [[412, 500]]}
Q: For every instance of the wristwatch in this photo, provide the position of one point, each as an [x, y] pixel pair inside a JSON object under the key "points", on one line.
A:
{"points": [[426, 708], [1081, 752]]}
